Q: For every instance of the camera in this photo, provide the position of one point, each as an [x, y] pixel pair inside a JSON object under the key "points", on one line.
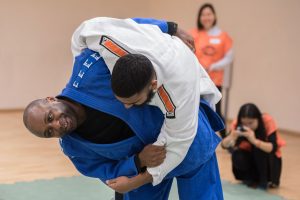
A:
{"points": [[240, 128]]}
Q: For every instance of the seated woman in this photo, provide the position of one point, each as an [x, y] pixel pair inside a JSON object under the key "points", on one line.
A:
{"points": [[255, 145]]}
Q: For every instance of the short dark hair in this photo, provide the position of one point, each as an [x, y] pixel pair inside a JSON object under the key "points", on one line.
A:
{"points": [[206, 5], [131, 74]]}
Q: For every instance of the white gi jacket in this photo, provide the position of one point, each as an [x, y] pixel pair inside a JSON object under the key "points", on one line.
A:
{"points": [[181, 79]]}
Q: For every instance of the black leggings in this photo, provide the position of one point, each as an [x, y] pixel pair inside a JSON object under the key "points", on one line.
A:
{"points": [[256, 167]]}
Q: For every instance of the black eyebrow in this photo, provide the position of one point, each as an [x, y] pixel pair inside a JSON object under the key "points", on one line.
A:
{"points": [[45, 118]]}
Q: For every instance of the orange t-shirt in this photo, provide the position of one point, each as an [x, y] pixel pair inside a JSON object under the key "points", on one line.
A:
{"points": [[211, 49], [270, 127]]}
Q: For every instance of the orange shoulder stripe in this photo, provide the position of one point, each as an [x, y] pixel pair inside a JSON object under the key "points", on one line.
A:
{"points": [[112, 46], [167, 101]]}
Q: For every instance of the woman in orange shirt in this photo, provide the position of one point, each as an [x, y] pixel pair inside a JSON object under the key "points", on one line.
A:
{"points": [[255, 145], [213, 47]]}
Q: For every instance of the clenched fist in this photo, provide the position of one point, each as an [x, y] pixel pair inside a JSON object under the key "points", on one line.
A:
{"points": [[152, 155]]}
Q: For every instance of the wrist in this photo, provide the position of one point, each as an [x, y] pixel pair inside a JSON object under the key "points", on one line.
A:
{"points": [[141, 163], [172, 28], [234, 136], [140, 179], [148, 177], [138, 163], [257, 143], [230, 142]]}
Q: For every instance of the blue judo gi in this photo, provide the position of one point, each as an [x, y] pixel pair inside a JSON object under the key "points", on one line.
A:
{"points": [[198, 174]]}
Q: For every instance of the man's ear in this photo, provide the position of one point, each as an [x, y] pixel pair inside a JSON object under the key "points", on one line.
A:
{"points": [[153, 85], [51, 99]]}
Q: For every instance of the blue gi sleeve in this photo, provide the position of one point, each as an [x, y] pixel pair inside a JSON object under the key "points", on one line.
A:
{"points": [[162, 24], [92, 164], [105, 169]]}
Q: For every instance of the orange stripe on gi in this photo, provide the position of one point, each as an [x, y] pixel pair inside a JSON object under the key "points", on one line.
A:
{"points": [[113, 47], [167, 101]]}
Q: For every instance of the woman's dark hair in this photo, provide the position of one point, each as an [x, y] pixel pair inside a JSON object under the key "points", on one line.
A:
{"points": [[250, 110], [131, 74], [206, 5]]}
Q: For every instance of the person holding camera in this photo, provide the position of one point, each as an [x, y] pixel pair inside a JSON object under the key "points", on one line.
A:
{"points": [[255, 145]]}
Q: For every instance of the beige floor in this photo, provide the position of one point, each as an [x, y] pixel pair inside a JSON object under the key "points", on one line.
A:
{"points": [[24, 157]]}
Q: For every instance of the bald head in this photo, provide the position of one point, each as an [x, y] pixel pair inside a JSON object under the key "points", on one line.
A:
{"points": [[29, 111], [50, 117]]}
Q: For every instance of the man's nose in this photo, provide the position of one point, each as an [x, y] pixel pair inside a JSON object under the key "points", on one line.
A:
{"points": [[127, 105], [56, 124]]}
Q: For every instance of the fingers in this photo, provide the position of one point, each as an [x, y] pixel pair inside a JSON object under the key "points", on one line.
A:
{"points": [[112, 186], [246, 128], [186, 38], [155, 147], [191, 44], [115, 187], [158, 152], [157, 160], [110, 182], [152, 155]]}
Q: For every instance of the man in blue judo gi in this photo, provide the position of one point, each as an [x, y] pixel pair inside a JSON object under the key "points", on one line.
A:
{"points": [[124, 133]]}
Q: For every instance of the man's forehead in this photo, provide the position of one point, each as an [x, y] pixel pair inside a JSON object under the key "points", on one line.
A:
{"points": [[36, 121], [40, 105], [37, 113]]}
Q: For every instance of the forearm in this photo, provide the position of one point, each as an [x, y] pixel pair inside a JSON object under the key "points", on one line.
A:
{"points": [[140, 180], [224, 62], [228, 141], [264, 146], [124, 184]]}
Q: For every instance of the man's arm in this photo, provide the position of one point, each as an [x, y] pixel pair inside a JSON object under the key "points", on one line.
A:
{"points": [[82, 33], [124, 184], [78, 45]]}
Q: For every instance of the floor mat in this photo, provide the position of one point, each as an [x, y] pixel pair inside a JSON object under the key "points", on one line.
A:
{"points": [[83, 188]]}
